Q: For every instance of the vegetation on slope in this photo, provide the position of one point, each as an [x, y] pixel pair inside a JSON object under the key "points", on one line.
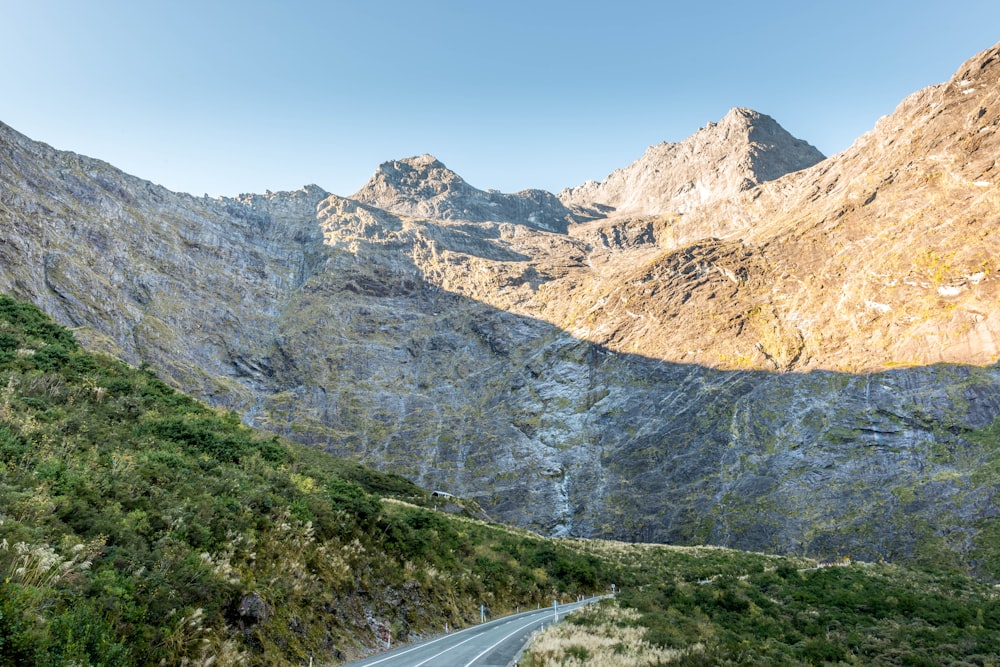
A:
{"points": [[777, 613], [138, 526]]}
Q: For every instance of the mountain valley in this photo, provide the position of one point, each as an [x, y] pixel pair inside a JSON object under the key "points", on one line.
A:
{"points": [[733, 341]]}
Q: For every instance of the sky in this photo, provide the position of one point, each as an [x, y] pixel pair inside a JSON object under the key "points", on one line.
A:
{"points": [[224, 97]]}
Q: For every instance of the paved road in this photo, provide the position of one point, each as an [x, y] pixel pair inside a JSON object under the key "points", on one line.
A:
{"points": [[492, 644]]}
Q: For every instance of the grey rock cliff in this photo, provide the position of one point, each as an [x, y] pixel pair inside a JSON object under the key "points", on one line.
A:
{"points": [[190, 285]]}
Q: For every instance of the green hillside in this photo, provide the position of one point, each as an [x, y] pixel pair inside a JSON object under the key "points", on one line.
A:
{"points": [[138, 526], [702, 607]]}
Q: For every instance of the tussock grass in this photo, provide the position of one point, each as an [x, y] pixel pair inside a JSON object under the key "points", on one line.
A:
{"points": [[605, 635]]}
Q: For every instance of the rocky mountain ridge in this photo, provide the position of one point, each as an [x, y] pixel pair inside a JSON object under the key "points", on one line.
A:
{"points": [[744, 149], [801, 364], [422, 186]]}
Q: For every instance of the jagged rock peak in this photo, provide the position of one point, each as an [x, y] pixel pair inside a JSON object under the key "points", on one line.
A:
{"points": [[417, 162], [422, 186], [742, 150], [982, 67], [414, 171], [294, 209]]}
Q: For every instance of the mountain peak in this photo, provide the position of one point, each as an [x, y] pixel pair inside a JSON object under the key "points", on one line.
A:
{"points": [[742, 112], [743, 115], [422, 186], [739, 119], [744, 149], [408, 174], [426, 159], [981, 67], [418, 163]]}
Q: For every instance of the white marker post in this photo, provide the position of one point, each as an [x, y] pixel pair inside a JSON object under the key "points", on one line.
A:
{"points": [[555, 609]]}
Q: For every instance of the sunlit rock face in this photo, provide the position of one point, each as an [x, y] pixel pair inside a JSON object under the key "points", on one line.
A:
{"points": [[423, 186], [731, 341], [744, 149]]}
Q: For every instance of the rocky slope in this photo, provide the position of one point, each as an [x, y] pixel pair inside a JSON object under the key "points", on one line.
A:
{"points": [[803, 363], [887, 254], [192, 286], [879, 257]]}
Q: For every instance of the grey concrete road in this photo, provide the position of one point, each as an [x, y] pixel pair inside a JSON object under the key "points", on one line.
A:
{"points": [[492, 644]]}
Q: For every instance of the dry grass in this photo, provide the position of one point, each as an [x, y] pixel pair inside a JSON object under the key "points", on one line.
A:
{"points": [[608, 638]]}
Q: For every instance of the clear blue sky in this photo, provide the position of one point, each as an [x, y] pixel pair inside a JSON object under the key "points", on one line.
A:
{"points": [[224, 97]]}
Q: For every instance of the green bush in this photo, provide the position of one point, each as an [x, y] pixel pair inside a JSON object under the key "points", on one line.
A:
{"points": [[18, 641]]}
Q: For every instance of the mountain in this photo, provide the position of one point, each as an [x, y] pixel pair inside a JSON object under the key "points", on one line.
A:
{"points": [[741, 151], [879, 257], [800, 363], [187, 284], [423, 187], [901, 228]]}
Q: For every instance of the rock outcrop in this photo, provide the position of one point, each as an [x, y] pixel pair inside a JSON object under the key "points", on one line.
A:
{"points": [[788, 363]]}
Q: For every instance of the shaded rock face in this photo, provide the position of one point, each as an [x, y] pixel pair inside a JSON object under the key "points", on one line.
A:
{"points": [[191, 286], [799, 363]]}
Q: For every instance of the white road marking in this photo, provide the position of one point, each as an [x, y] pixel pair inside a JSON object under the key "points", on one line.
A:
{"points": [[493, 646]]}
